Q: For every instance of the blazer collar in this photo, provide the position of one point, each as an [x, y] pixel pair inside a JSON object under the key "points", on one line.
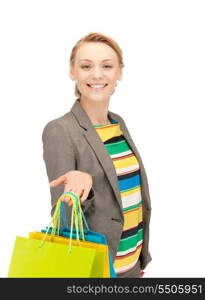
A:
{"points": [[82, 116], [98, 147]]}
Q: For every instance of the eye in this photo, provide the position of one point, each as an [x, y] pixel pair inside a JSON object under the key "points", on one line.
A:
{"points": [[85, 67], [88, 66], [108, 66]]}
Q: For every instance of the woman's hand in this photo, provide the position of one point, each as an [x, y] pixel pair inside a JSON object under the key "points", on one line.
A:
{"points": [[77, 182], [141, 273]]}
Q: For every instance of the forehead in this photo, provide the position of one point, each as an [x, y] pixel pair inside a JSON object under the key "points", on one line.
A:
{"points": [[95, 51]]}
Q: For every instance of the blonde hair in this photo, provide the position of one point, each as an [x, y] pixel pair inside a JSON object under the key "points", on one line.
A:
{"points": [[96, 37]]}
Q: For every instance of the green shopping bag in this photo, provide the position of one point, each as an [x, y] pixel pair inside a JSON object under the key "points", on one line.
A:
{"points": [[52, 260], [33, 258]]}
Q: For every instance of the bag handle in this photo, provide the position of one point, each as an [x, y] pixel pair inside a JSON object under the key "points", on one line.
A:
{"points": [[76, 215], [83, 216], [79, 212]]}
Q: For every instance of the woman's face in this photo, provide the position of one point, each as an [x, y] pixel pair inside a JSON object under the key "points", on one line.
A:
{"points": [[96, 70]]}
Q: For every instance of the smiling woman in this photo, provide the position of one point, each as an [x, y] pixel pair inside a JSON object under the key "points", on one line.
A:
{"points": [[96, 68], [89, 151]]}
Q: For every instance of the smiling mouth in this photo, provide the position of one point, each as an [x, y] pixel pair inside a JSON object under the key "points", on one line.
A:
{"points": [[97, 86]]}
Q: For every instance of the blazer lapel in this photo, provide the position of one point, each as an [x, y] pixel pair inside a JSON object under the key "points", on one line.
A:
{"points": [[98, 147]]}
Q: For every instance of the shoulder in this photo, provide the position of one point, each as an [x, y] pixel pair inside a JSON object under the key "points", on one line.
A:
{"points": [[58, 125]]}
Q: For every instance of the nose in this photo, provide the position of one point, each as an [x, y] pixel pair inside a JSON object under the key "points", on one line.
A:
{"points": [[97, 72]]}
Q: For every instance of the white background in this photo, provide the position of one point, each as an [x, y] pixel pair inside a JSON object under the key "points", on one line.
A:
{"points": [[161, 98]]}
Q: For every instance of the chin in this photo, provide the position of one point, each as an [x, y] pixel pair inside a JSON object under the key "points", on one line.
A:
{"points": [[97, 97]]}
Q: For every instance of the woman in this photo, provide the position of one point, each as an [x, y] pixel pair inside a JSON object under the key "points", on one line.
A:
{"points": [[89, 151]]}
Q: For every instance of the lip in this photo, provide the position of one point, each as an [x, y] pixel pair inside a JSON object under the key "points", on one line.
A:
{"points": [[97, 83], [95, 89]]}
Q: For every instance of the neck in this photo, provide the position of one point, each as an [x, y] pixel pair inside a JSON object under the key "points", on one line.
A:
{"points": [[97, 111]]}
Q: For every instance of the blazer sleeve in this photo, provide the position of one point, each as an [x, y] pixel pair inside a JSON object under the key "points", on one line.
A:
{"points": [[59, 157]]}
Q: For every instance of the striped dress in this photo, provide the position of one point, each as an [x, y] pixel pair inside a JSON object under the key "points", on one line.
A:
{"points": [[128, 174]]}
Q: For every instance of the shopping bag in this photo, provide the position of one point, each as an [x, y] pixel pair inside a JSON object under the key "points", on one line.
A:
{"points": [[52, 260], [90, 235], [100, 267], [41, 258]]}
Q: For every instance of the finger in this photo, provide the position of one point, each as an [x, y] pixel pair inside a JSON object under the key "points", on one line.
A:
{"points": [[68, 201], [64, 197], [58, 181], [84, 195], [77, 192], [142, 273], [67, 198]]}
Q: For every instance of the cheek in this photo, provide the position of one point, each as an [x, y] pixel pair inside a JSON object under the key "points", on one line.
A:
{"points": [[113, 76], [81, 76]]}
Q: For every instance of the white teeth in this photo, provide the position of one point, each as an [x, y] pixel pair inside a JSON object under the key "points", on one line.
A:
{"points": [[97, 86]]}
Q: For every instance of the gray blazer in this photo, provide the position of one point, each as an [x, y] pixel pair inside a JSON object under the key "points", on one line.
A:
{"points": [[71, 143]]}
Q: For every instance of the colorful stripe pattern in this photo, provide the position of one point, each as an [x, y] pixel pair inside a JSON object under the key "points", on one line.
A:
{"points": [[128, 173]]}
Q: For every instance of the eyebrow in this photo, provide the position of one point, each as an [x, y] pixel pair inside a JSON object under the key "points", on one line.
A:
{"points": [[91, 60]]}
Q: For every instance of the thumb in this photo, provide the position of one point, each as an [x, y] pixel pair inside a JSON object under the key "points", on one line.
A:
{"points": [[58, 181]]}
